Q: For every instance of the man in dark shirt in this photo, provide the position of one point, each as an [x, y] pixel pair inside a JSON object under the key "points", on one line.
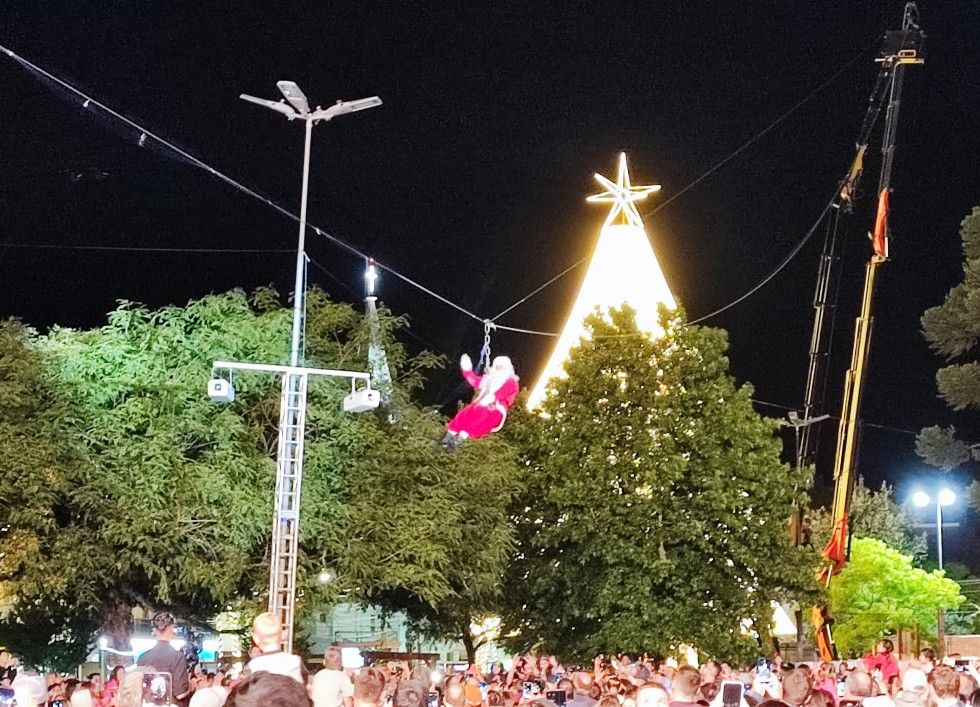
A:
{"points": [[164, 658]]}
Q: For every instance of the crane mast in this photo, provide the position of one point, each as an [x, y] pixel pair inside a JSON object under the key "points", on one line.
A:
{"points": [[901, 48]]}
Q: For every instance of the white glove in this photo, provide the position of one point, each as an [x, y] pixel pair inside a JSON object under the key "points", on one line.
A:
{"points": [[465, 363]]}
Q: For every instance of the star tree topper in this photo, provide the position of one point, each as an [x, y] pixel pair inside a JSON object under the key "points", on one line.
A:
{"points": [[622, 194]]}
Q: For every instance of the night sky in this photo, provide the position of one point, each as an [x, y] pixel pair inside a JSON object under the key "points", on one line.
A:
{"points": [[472, 177]]}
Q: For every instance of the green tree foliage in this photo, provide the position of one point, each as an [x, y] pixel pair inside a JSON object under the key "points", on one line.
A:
{"points": [[880, 591], [170, 501], [874, 514], [656, 508], [35, 466], [952, 330]]}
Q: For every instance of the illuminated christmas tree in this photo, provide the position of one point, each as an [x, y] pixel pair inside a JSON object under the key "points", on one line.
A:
{"points": [[623, 270]]}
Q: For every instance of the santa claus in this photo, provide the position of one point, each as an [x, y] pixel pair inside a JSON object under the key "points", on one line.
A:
{"points": [[495, 393]]}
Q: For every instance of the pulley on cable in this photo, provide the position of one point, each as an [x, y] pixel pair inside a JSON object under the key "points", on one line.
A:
{"points": [[495, 390]]}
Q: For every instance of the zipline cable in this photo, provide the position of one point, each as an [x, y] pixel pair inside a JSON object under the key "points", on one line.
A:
{"points": [[145, 133]]}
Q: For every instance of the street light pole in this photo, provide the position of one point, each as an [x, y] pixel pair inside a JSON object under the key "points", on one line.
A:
{"points": [[944, 498], [299, 293], [284, 554]]}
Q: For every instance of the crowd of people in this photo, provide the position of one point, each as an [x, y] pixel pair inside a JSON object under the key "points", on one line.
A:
{"points": [[273, 678]]}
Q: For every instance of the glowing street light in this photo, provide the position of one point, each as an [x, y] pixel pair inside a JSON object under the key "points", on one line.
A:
{"points": [[945, 497]]}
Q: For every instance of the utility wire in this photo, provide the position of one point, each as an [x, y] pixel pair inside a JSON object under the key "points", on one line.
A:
{"points": [[147, 134], [755, 138], [141, 249], [779, 268]]}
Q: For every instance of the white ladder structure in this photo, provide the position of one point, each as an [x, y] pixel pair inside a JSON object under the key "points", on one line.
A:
{"points": [[289, 487]]}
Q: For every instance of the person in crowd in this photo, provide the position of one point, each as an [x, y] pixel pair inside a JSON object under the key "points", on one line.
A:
{"points": [[820, 698], [271, 658], [410, 693], [684, 687], [710, 672], [97, 686], [164, 658], [968, 685], [111, 686], [882, 660], [917, 697], [331, 687], [927, 659], [8, 669], [858, 686], [369, 684], [797, 687], [29, 681], [652, 695], [213, 696], [974, 700], [826, 681], [81, 695], [945, 683], [130, 692], [422, 675], [582, 684], [265, 689]]}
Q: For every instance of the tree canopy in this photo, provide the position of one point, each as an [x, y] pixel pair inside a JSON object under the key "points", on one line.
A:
{"points": [[952, 330], [880, 591], [655, 511], [165, 497]]}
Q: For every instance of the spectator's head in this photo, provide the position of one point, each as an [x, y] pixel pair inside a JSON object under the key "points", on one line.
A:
{"points": [[945, 682], [209, 697], [452, 694], [772, 703], [914, 678], [82, 696], [608, 701], [267, 632], [797, 687], [918, 697], [652, 695], [821, 698], [130, 693], [857, 685], [885, 646], [707, 691], [164, 626], [710, 671], [369, 683], [116, 673], [974, 700], [410, 693], [333, 659], [684, 686], [583, 682], [264, 689], [33, 685]]}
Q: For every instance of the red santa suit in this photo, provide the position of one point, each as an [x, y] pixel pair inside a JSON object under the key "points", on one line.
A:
{"points": [[496, 391]]}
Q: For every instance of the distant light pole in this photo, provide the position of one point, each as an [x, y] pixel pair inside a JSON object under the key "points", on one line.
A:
{"points": [[944, 498]]}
